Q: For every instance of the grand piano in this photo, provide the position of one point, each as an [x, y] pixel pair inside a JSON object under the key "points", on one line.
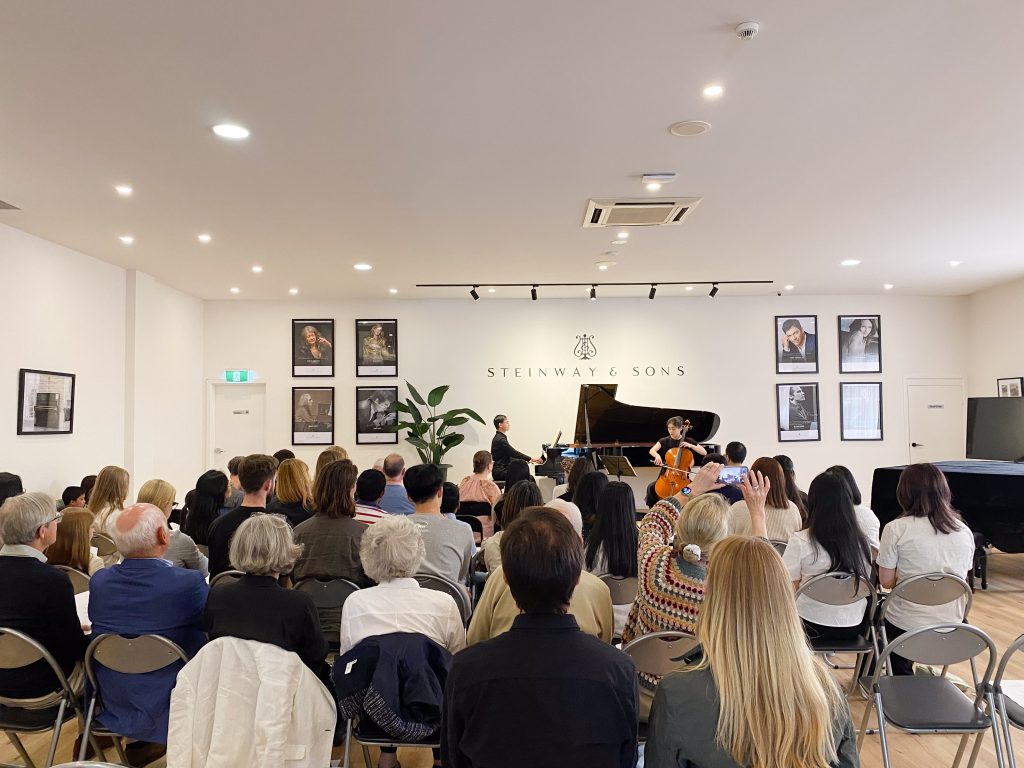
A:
{"points": [[605, 426]]}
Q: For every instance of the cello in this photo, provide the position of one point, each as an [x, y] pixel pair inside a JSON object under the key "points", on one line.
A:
{"points": [[674, 476]]}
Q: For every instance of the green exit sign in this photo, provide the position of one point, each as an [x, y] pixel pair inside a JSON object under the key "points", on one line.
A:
{"points": [[236, 377]]}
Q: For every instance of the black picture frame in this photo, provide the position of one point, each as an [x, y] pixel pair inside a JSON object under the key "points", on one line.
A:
{"points": [[794, 429], [788, 357], [860, 421], [376, 415], [305, 363], [1010, 387], [377, 359], [46, 402], [859, 353], [313, 417]]}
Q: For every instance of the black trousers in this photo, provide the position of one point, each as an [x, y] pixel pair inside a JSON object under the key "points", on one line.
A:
{"points": [[822, 632], [898, 664]]}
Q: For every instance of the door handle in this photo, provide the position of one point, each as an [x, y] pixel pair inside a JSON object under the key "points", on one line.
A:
{"points": [[221, 450], [916, 445]]}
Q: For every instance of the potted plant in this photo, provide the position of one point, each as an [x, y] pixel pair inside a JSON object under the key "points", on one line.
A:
{"points": [[430, 432]]}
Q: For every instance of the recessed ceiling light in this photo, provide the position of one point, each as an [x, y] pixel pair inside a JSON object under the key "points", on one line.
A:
{"points": [[888, 286], [236, 290], [689, 287], [954, 263], [257, 268], [653, 186], [127, 239], [619, 242], [689, 128], [204, 238], [491, 290], [392, 290], [362, 266], [124, 190], [231, 131], [789, 287], [293, 291], [623, 235], [713, 91], [850, 262], [604, 265]]}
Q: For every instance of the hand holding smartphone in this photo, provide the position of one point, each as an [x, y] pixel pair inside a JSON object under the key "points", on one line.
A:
{"points": [[729, 475]]}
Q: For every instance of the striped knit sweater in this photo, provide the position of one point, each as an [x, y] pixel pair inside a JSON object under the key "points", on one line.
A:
{"points": [[670, 590]]}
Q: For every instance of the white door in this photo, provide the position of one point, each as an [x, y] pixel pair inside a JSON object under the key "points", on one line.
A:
{"points": [[237, 421], [935, 420]]}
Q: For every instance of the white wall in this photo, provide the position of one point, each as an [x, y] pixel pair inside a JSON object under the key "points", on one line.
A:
{"points": [[996, 349], [725, 346], [61, 311]]}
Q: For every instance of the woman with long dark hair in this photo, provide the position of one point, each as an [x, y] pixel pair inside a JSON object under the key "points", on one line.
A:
{"points": [[613, 542], [591, 486], [793, 492], [518, 470], [866, 519], [832, 541], [204, 504], [580, 467], [518, 497]]}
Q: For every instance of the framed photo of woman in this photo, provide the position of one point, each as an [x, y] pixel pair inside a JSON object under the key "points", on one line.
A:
{"points": [[860, 410], [860, 344], [376, 347], [312, 415], [376, 415], [796, 343], [798, 412], [312, 348]]}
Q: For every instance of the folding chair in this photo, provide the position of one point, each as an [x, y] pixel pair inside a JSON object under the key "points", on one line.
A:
{"points": [[79, 580], [660, 653], [225, 577], [19, 650], [474, 523], [839, 589], [1009, 710], [326, 595], [623, 588], [88, 764], [440, 584], [104, 545], [366, 734], [780, 546], [131, 656], [925, 704]]}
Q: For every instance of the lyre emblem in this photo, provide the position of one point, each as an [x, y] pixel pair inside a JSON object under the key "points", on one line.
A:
{"points": [[585, 347]]}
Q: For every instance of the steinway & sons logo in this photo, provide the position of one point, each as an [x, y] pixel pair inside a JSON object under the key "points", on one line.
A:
{"points": [[585, 349]]}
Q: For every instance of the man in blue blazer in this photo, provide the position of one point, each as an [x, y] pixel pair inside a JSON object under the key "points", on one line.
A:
{"points": [[142, 595]]}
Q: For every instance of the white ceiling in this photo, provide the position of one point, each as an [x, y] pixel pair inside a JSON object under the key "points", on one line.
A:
{"points": [[459, 140]]}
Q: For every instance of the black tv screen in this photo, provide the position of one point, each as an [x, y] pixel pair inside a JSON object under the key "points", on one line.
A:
{"points": [[995, 428]]}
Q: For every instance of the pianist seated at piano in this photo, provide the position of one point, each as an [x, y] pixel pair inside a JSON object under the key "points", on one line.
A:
{"points": [[502, 451]]}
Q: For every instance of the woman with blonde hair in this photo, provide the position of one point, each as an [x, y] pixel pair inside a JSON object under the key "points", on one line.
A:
{"points": [[759, 697], [108, 496], [182, 550], [328, 455], [293, 493], [73, 545]]}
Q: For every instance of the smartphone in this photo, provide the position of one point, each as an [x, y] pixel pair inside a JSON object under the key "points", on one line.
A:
{"points": [[732, 475]]}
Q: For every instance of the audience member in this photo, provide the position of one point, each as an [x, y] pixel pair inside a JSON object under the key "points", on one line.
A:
{"points": [[612, 546], [759, 697], [735, 454], [928, 537], [293, 493], [378, 464], [73, 546], [479, 486], [730, 493], [256, 606], [450, 500], [781, 515], [572, 699], [832, 541], [518, 497], [866, 519], [87, 485], [518, 470], [793, 493], [586, 496], [10, 485], [108, 497], [676, 538], [237, 494], [283, 455], [144, 594], [449, 544], [330, 539], [580, 467], [329, 455], [591, 603], [37, 599], [256, 475], [72, 498], [182, 550], [369, 491], [204, 505], [395, 500]]}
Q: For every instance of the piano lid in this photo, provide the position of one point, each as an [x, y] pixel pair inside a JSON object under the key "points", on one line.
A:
{"points": [[612, 421]]}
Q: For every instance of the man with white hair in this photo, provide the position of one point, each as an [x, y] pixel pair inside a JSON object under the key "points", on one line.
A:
{"points": [[144, 594], [37, 599]]}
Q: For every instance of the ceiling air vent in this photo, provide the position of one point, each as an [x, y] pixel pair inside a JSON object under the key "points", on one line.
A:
{"points": [[8, 207], [641, 212]]}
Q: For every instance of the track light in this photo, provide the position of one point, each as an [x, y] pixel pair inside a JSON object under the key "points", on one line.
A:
{"points": [[714, 291], [593, 293], [654, 290], [533, 293], [474, 294]]}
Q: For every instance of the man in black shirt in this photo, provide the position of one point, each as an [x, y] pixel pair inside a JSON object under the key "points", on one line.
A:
{"points": [[567, 698], [501, 452], [256, 476], [661, 448]]}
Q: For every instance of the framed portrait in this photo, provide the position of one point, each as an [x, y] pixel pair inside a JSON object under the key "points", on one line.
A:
{"points": [[1010, 387], [798, 412], [376, 347], [46, 402], [312, 415], [860, 410], [796, 343], [860, 344], [312, 348], [376, 415]]}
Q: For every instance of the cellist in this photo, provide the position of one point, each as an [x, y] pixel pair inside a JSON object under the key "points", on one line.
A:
{"points": [[662, 447]]}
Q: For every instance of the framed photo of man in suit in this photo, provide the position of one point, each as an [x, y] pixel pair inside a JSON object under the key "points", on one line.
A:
{"points": [[376, 415], [798, 412], [796, 343]]}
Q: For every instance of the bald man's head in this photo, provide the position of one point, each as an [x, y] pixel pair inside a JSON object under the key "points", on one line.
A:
{"points": [[141, 531]]}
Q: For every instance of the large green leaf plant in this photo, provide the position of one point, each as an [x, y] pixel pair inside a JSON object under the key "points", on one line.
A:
{"points": [[430, 432]]}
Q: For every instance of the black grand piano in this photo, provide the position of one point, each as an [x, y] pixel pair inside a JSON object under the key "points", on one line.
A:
{"points": [[605, 426]]}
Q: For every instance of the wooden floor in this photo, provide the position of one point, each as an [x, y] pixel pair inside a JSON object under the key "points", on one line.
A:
{"points": [[999, 611]]}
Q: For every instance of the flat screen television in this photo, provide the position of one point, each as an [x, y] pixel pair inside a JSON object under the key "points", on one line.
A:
{"points": [[995, 428]]}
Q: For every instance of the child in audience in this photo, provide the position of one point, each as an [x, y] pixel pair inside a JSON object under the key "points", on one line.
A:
{"points": [[73, 497]]}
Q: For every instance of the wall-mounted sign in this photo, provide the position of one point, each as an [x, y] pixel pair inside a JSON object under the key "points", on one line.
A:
{"points": [[237, 377]]}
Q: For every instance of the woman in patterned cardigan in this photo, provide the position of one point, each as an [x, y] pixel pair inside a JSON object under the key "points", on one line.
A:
{"points": [[673, 557]]}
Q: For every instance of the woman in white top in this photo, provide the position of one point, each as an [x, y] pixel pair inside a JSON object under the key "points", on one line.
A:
{"points": [[866, 519], [832, 541], [613, 543], [781, 515], [929, 537]]}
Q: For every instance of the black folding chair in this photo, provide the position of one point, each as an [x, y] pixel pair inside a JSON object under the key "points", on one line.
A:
{"points": [[659, 653], [440, 584], [328, 594], [79, 580], [475, 524], [1010, 711]]}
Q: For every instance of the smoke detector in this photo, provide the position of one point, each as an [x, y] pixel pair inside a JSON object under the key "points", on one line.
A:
{"points": [[747, 30]]}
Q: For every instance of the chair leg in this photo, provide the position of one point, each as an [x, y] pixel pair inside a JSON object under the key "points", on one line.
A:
{"points": [[881, 731], [960, 750], [993, 713], [1011, 759], [21, 748], [366, 756], [864, 723], [120, 751], [347, 756], [56, 734]]}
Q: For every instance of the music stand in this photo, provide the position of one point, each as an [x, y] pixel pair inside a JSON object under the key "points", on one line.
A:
{"points": [[618, 466]]}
